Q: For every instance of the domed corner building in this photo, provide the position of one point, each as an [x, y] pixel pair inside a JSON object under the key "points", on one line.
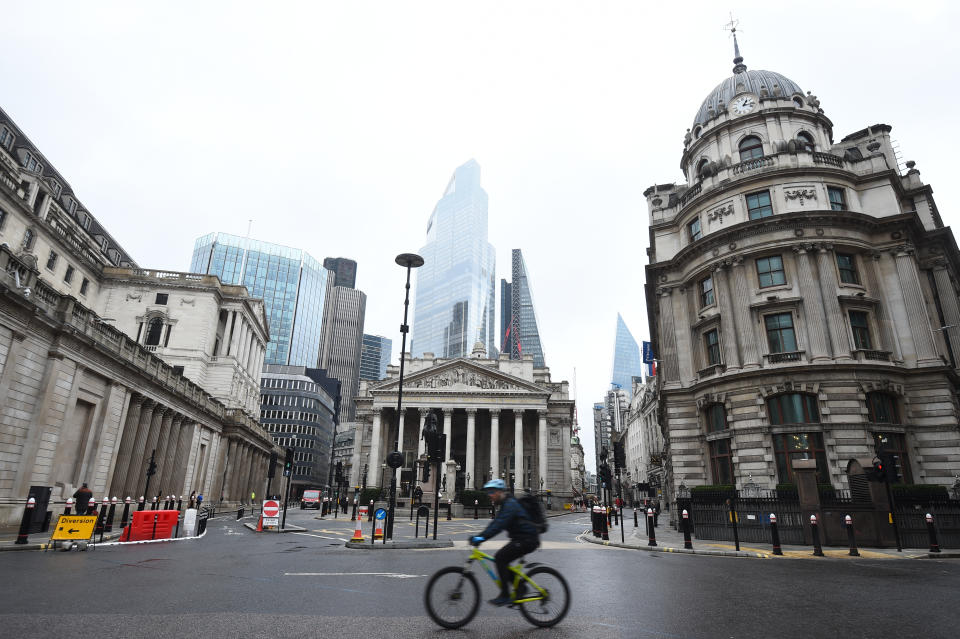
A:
{"points": [[802, 297]]}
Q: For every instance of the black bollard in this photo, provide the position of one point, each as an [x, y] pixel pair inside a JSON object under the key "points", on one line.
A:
{"points": [[635, 522], [605, 525], [180, 504], [775, 535], [595, 521], [92, 506], [934, 546], [848, 521], [687, 543], [476, 509], [815, 533], [126, 513], [140, 503], [69, 506], [101, 519], [239, 512], [370, 515], [653, 533], [734, 520], [25, 521], [449, 510], [353, 515], [111, 514]]}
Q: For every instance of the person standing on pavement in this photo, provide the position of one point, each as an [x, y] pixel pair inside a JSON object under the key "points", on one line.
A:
{"points": [[82, 499]]}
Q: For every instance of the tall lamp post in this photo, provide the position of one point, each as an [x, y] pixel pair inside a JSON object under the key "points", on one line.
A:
{"points": [[409, 261]]}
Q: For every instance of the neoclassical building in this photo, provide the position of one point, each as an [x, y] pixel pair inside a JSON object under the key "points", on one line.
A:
{"points": [[502, 417], [802, 297]]}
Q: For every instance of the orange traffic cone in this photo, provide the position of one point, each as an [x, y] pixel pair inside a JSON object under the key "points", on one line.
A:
{"points": [[378, 532], [260, 524], [358, 533]]}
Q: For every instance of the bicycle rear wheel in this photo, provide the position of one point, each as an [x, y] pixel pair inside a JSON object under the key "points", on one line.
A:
{"points": [[452, 597], [550, 610]]}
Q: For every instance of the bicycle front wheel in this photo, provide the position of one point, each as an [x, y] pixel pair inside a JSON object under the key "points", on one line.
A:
{"points": [[552, 608], [452, 597]]}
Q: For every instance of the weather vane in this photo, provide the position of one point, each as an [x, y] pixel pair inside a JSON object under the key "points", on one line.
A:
{"points": [[739, 66], [732, 25]]}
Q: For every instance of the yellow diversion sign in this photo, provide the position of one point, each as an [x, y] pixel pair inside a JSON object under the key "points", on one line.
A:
{"points": [[74, 527]]}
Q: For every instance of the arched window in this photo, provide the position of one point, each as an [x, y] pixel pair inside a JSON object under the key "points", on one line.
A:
{"points": [[805, 141], [154, 329], [700, 166], [799, 102], [28, 239], [750, 147], [696, 133], [793, 408]]}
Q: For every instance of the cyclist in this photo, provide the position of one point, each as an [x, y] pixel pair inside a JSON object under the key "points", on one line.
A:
{"points": [[523, 535]]}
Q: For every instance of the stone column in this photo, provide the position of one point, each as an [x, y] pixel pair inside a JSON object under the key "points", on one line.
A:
{"points": [[542, 450], [130, 429], [447, 427], [815, 318], [169, 459], [227, 452], [565, 476], [182, 454], [667, 357], [151, 445], [471, 452], [166, 430], [743, 316], [888, 337], [131, 480], [494, 442], [836, 321], [234, 326], [402, 428], [373, 469], [728, 324], [518, 448], [950, 306], [919, 321]]}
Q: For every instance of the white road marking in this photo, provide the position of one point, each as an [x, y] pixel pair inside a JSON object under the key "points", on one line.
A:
{"points": [[321, 536], [393, 575]]}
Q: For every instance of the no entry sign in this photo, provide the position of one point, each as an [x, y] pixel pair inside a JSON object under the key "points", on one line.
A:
{"points": [[271, 508]]}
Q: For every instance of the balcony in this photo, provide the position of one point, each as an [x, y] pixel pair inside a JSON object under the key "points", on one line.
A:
{"points": [[785, 357], [867, 355], [714, 369]]}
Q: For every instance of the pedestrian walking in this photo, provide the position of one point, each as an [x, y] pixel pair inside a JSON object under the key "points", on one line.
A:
{"points": [[82, 498]]}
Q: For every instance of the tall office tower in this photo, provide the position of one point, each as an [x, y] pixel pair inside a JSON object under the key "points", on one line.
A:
{"points": [[345, 270], [375, 357], [520, 334], [292, 285], [626, 359], [341, 341], [455, 301]]}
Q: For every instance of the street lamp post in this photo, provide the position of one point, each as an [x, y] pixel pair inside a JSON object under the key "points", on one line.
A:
{"points": [[409, 261]]}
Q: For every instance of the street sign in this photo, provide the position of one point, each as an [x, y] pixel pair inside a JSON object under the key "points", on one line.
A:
{"points": [[271, 521], [271, 509], [380, 514], [74, 527]]}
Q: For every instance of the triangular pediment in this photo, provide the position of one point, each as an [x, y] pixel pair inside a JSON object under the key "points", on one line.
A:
{"points": [[461, 375]]}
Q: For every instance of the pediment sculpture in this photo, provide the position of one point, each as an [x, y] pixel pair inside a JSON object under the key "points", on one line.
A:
{"points": [[462, 375]]}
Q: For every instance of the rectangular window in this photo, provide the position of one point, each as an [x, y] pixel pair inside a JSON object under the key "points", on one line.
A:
{"points": [[162, 298], [84, 285], [712, 342], [721, 462], [716, 418], [882, 408], [847, 267], [695, 232], [178, 370], [72, 207], [861, 331], [3, 219], [31, 163], [758, 205], [68, 276], [55, 186], [793, 408], [837, 201], [706, 292], [6, 138], [770, 271], [52, 260], [780, 335], [790, 446]]}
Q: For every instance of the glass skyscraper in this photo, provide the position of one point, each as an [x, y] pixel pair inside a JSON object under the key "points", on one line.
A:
{"points": [[455, 300], [375, 357], [519, 333], [292, 284], [627, 363]]}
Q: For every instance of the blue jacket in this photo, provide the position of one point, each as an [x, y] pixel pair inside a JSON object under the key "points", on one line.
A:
{"points": [[512, 518]]}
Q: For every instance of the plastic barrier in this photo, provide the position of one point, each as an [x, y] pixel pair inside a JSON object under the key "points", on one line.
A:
{"points": [[151, 524], [357, 533]]}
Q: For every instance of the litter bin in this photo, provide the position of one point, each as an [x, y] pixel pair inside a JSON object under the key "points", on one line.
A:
{"points": [[40, 519]]}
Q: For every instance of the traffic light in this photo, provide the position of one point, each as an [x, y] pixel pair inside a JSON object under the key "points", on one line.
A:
{"points": [[426, 472], [288, 463], [619, 456], [339, 473], [890, 465], [877, 472], [436, 445], [605, 474], [272, 469]]}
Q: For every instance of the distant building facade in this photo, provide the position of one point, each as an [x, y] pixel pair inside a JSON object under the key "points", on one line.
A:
{"points": [[454, 305], [344, 270], [341, 343], [627, 363], [291, 283], [520, 334], [375, 356]]}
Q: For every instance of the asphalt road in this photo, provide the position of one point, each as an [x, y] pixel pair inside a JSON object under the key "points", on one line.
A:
{"points": [[237, 583]]}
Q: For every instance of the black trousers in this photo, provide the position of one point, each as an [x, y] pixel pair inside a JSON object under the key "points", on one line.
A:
{"points": [[514, 550]]}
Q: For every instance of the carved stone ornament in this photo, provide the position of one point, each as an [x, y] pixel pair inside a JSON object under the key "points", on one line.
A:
{"points": [[462, 376], [719, 212], [801, 194], [554, 438], [134, 296], [187, 300], [798, 232]]}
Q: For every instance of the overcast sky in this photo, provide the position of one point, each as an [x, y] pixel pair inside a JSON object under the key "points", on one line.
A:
{"points": [[335, 127]]}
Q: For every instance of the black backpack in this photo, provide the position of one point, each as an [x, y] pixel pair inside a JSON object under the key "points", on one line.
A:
{"points": [[535, 512]]}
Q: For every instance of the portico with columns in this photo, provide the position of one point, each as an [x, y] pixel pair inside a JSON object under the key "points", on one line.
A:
{"points": [[502, 418]]}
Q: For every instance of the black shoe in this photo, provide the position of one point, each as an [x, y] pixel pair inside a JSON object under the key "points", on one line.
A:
{"points": [[500, 601]]}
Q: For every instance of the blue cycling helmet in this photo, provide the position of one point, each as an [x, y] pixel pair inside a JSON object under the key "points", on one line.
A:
{"points": [[495, 484]]}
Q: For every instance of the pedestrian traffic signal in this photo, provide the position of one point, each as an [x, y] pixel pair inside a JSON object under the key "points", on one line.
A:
{"points": [[272, 469], [288, 463], [426, 472]]}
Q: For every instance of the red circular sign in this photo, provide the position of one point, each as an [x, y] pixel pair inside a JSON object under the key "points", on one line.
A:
{"points": [[271, 508]]}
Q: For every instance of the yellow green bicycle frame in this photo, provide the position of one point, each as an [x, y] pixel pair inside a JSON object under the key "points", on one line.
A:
{"points": [[519, 575]]}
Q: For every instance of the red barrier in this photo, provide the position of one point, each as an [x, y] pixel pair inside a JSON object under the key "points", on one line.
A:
{"points": [[150, 524]]}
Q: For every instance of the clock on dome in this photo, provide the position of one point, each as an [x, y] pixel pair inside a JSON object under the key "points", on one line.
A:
{"points": [[743, 105]]}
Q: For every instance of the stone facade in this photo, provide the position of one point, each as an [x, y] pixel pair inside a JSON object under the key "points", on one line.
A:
{"points": [[802, 298], [643, 441], [499, 415]]}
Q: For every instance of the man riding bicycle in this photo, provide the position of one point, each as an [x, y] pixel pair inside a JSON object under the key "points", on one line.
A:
{"points": [[523, 535]]}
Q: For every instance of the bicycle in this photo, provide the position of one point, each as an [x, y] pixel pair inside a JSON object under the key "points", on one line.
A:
{"points": [[543, 603]]}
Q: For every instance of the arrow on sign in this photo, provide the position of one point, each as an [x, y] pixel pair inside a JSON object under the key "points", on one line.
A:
{"points": [[71, 531]]}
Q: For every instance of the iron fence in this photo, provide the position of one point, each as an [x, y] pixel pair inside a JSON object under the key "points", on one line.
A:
{"points": [[711, 518], [912, 523]]}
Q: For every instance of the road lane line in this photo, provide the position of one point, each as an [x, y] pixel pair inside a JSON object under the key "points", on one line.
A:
{"points": [[321, 536], [393, 575]]}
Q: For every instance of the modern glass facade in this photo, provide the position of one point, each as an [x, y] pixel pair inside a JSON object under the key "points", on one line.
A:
{"points": [[454, 306], [375, 357], [520, 332], [292, 284], [627, 363]]}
